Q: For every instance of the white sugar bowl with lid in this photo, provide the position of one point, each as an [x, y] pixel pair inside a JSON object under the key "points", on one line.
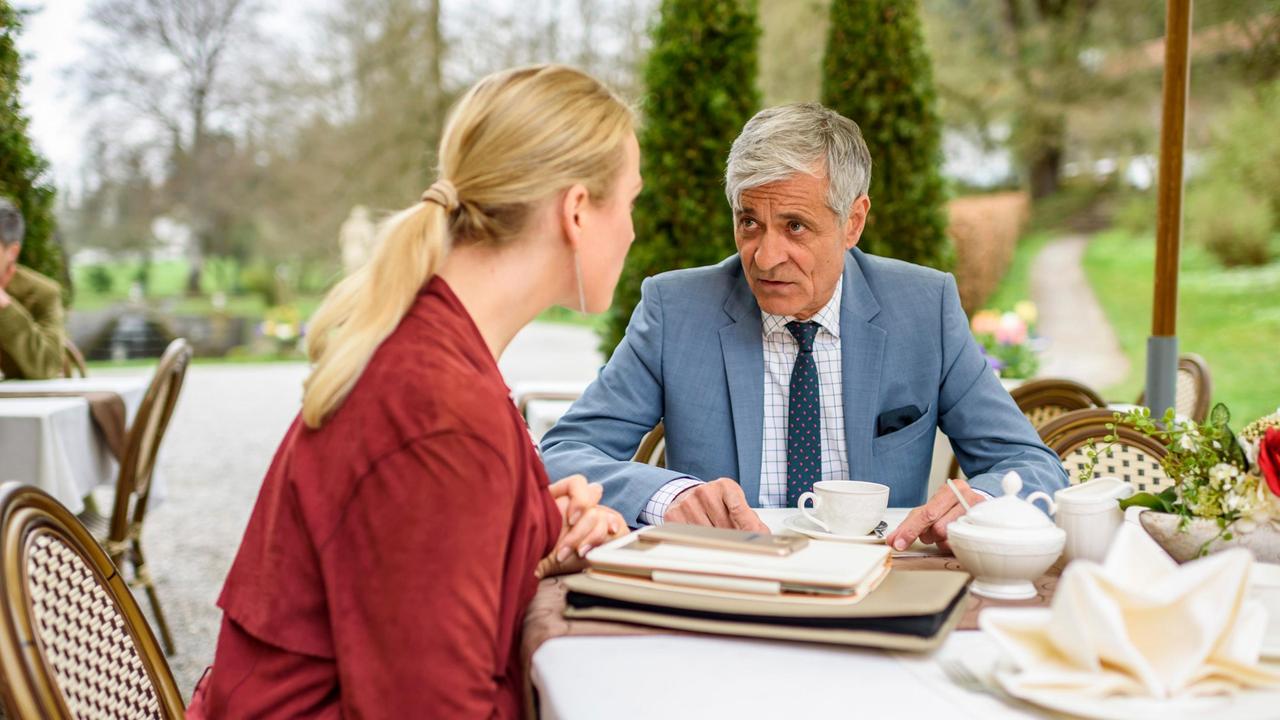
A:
{"points": [[1006, 543]]}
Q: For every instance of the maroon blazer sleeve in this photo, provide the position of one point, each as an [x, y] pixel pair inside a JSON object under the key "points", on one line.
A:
{"points": [[425, 557]]}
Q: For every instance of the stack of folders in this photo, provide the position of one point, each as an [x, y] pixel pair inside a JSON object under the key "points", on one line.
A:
{"points": [[828, 592]]}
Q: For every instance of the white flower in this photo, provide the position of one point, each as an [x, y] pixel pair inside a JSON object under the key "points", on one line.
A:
{"points": [[1223, 473], [1189, 440]]}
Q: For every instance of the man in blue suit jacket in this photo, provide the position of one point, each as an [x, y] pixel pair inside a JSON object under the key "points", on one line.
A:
{"points": [[801, 358]]}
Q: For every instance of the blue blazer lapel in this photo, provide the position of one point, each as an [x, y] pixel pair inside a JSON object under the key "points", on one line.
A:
{"points": [[743, 351], [861, 354]]}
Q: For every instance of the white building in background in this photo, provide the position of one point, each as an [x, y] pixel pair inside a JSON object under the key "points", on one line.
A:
{"points": [[966, 159]]}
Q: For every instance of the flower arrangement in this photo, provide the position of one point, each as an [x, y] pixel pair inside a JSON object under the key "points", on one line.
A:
{"points": [[1233, 480], [283, 325], [1007, 339]]}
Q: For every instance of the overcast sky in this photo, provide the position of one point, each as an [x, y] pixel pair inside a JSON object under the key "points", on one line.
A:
{"points": [[53, 41], [49, 46]]}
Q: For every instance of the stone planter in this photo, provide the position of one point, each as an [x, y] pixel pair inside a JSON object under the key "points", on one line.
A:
{"points": [[1263, 541]]}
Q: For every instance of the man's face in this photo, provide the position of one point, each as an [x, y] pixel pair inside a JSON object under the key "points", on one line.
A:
{"points": [[8, 261], [792, 245]]}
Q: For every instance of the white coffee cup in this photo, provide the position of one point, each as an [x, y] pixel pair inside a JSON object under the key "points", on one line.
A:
{"points": [[846, 507]]}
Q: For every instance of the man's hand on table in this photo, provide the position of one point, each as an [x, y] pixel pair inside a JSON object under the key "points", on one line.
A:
{"points": [[929, 521], [719, 503], [584, 524]]}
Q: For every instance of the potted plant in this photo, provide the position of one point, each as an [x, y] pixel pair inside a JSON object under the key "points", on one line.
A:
{"points": [[1226, 489]]}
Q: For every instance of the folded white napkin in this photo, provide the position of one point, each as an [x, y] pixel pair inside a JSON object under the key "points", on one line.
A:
{"points": [[1139, 625]]}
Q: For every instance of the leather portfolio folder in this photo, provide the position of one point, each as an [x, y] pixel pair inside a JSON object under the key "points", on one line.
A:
{"points": [[909, 610]]}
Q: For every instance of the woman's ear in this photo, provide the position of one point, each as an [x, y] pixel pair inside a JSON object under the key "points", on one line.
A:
{"points": [[572, 207]]}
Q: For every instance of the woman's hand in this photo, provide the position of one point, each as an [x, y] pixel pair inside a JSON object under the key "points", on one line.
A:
{"points": [[596, 526], [582, 496]]}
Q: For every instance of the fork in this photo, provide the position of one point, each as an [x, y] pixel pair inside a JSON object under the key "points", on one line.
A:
{"points": [[964, 676]]}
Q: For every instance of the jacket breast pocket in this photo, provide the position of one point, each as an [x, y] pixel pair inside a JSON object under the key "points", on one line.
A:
{"points": [[919, 428]]}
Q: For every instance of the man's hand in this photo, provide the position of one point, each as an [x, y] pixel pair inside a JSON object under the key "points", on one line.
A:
{"points": [[719, 503], [6, 275], [929, 521], [4, 298]]}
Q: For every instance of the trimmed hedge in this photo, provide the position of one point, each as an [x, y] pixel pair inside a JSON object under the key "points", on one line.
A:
{"points": [[23, 172], [700, 82], [876, 72]]}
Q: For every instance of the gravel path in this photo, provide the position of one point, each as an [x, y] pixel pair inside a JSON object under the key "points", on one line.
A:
{"points": [[1083, 347], [225, 430]]}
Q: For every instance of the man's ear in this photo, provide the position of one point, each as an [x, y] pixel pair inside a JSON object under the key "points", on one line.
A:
{"points": [[857, 221], [572, 205]]}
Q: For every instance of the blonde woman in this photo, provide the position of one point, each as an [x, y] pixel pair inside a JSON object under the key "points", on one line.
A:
{"points": [[393, 549]]}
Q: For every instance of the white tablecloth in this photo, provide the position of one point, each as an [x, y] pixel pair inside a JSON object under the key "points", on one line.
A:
{"points": [[591, 677], [51, 442], [665, 676]]}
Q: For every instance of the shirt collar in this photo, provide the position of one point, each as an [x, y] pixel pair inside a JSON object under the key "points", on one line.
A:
{"points": [[828, 318]]}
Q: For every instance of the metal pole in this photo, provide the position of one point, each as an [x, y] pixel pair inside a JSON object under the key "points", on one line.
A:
{"points": [[1162, 346]]}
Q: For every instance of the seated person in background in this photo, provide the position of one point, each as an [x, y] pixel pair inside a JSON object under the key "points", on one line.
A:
{"points": [[800, 359], [31, 327]]}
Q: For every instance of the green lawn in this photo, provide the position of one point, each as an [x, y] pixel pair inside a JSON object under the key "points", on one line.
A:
{"points": [[1231, 317], [1016, 285]]}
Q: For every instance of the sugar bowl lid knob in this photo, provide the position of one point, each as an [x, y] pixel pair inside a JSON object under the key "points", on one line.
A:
{"points": [[1009, 511], [1012, 483]]}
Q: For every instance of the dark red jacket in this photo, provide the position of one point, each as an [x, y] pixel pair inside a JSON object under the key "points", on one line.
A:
{"points": [[389, 560]]}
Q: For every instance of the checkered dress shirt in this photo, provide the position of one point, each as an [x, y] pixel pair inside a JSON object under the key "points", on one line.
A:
{"points": [[780, 350]]}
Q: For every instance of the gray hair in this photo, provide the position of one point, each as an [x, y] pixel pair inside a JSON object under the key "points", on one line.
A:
{"points": [[800, 138], [11, 225]]}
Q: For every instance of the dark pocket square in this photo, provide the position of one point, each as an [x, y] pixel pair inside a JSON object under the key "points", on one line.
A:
{"points": [[894, 420]]}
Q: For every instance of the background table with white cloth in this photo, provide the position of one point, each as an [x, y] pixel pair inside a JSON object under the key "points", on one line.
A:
{"points": [[51, 442]]}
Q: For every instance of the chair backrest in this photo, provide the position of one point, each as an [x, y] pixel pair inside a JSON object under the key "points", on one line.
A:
{"points": [[523, 400], [1193, 389], [73, 642], [1134, 457], [72, 360], [653, 448], [1048, 398], [133, 487]]}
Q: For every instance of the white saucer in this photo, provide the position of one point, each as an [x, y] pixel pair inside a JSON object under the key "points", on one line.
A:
{"points": [[805, 526]]}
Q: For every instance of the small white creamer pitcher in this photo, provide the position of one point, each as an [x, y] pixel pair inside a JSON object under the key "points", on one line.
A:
{"points": [[1090, 513]]}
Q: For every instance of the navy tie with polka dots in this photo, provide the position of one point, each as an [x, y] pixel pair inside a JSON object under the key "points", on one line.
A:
{"points": [[804, 416]]}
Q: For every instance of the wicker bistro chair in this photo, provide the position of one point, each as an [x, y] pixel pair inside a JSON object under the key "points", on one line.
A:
{"points": [[73, 641], [653, 448], [1193, 393], [121, 534], [72, 360], [524, 399], [1134, 457], [1046, 399]]}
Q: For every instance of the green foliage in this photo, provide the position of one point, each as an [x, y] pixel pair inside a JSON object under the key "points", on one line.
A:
{"points": [[1231, 221], [99, 279], [700, 80], [259, 279], [1246, 146], [1234, 209], [23, 174], [877, 73]]}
